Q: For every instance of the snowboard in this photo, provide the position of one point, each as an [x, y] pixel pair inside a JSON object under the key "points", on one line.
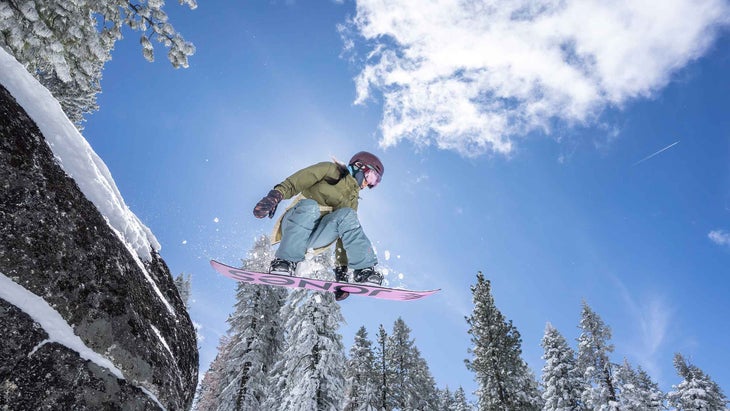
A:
{"points": [[282, 280]]}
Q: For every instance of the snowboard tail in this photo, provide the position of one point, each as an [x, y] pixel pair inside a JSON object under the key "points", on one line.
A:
{"points": [[281, 280]]}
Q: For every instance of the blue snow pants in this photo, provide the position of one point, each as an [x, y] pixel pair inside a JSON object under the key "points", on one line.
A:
{"points": [[303, 227]]}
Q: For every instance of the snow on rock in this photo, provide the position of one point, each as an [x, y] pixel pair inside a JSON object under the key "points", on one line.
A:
{"points": [[57, 328], [162, 340], [74, 154]]}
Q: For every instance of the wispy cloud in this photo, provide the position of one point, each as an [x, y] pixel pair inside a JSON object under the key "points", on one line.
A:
{"points": [[719, 237], [651, 316], [473, 75]]}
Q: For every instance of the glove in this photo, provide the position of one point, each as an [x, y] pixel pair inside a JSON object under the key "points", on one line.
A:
{"points": [[267, 205]]}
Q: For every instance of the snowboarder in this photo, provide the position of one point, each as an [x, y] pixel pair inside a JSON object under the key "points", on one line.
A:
{"points": [[324, 212]]}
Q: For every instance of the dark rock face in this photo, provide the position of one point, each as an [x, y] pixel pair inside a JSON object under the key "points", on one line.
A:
{"points": [[56, 244]]}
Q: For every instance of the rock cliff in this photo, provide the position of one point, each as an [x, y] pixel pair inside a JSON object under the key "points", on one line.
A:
{"points": [[137, 347]]}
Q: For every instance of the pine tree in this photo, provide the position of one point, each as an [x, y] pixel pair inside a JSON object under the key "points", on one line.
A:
{"points": [[400, 356], [505, 382], [697, 391], [452, 401], [382, 371], [652, 397], [361, 393], [207, 395], [422, 392], [636, 390], [446, 400], [65, 44], [182, 283], [561, 379], [593, 360], [256, 334], [460, 402], [310, 374], [408, 385]]}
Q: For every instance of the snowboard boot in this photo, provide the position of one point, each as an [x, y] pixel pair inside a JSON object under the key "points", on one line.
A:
{"points": [[368, 275], [279, 266], [341, 277]]}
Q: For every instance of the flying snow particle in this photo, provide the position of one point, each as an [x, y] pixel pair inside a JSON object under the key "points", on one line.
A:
{"points": [[215, 220], [184, 242], [387, 255], [401, 276]]}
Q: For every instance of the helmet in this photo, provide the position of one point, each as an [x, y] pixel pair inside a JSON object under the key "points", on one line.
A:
{"points": [[368, 159]]}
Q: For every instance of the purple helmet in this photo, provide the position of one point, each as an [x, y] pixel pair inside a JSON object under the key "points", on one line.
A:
{"points": [[369, 160]]}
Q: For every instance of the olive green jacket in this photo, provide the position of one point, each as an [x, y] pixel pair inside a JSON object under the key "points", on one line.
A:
{"points": [[322, 183]]}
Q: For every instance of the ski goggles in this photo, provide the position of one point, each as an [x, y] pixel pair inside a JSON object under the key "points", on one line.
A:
{"points": [[372, 177]]}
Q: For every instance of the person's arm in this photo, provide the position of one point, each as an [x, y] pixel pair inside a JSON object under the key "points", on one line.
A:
{"points": [[293, 185], [307, 177]]}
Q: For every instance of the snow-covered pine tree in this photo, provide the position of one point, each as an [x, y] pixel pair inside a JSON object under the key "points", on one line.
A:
{"points": [[652, 397], [423, 394], [697, 391], [207, 395], [400, 354], [182, 282], [636, 390], [593, 361], [256, 334], [446, 400], [382, 371], [361, 393], [505, 382], [65, 44], [460, 402], [310, 374], [561, 379]]}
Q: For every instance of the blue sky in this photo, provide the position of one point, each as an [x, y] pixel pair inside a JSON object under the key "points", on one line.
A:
{"points": [[513, 142]]}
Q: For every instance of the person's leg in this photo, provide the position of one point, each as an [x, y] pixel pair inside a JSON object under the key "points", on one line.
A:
{"points": [[343, 223], [296, 229]]}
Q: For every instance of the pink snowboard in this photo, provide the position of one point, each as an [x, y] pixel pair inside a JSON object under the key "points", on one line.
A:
{"points": [[280, 280]]}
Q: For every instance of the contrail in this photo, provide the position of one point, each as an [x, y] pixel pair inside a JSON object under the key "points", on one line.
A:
{"points": [[658, 152]]}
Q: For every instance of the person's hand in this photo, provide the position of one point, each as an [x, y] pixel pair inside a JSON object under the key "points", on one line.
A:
{"points": [[267, 205]]}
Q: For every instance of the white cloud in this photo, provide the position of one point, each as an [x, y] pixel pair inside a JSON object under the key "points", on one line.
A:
{"points": [[719, 237], [472, 75]]}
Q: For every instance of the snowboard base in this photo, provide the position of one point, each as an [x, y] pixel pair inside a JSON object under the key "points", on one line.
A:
{"points": [[281, 280]]}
